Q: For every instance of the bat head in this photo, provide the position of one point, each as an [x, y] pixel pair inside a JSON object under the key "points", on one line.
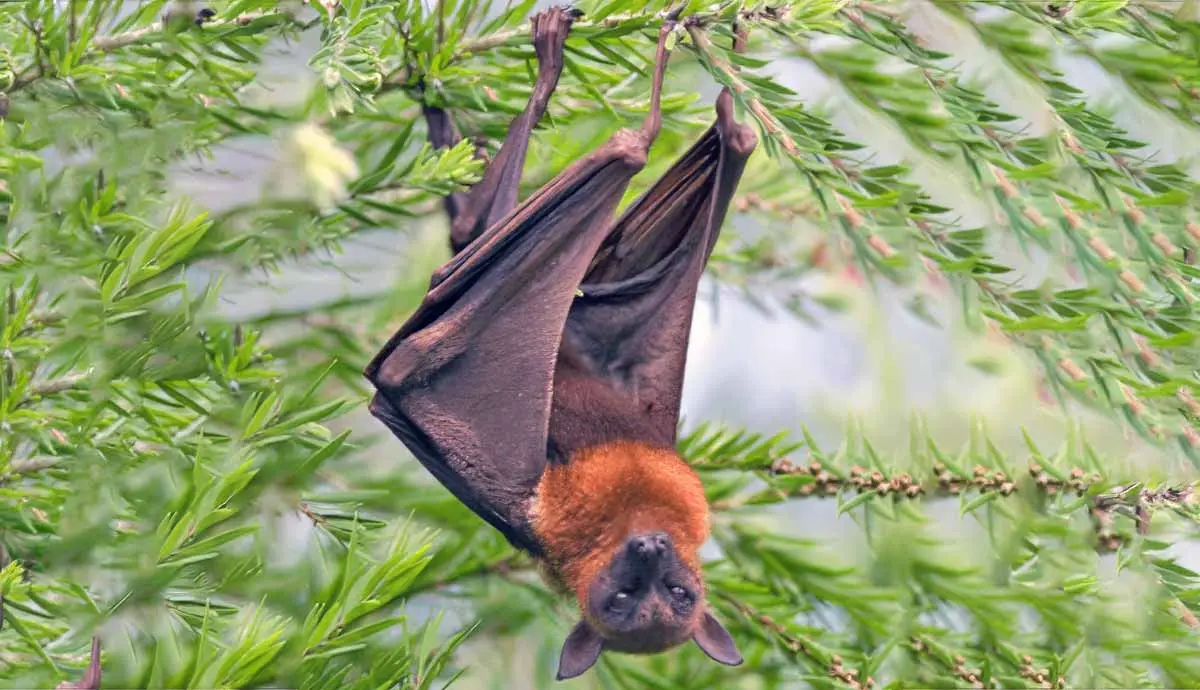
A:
{"points": [[645, 600]]}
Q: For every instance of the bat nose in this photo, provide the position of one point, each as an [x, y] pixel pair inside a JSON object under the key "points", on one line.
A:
{"points": [[651, 546]]}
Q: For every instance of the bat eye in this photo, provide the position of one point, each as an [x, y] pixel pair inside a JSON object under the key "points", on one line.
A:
{"points": [[679, 592], [618, 602]]}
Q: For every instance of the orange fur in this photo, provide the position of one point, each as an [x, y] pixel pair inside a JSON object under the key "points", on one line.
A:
{"points": [[585, 509]]}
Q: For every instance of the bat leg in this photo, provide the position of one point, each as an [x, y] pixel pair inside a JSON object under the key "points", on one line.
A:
{"points": [[740, 138], [443, 135], [466, 382], [496, 194]]}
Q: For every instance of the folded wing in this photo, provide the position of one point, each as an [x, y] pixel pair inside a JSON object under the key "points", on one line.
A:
{"points": [[466, 382]]}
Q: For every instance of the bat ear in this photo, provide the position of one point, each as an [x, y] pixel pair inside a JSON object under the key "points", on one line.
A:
{"points": [[580, 651], [714, 640]]}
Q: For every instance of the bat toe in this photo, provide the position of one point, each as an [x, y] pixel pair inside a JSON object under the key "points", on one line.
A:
{"points": [[550, 29]]}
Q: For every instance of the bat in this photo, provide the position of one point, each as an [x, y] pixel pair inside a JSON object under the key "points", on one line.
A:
{"points": [[540, 378]]}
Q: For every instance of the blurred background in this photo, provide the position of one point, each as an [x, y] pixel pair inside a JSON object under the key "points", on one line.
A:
{"points": [[790, 335]]}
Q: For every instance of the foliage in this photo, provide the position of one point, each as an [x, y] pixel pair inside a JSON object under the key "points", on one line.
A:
{"points": [[175, 480]]}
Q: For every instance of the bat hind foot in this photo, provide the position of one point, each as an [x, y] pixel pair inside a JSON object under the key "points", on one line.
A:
{"points": [[550, 29]]}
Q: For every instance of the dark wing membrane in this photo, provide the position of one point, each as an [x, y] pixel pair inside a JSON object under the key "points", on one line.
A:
{"points": [[633, 322], [466, 382]]}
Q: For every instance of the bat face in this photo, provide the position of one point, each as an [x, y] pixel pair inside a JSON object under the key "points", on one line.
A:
{"points": [[646, 599]]}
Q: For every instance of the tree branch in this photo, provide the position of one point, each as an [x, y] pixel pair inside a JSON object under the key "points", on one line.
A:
{"points": [[512, 37], [146, 34], [128, 38], [25, 467], [521, 35], [59, 385], [504, 567]]}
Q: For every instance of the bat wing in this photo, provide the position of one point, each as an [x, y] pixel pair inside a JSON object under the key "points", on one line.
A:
{"points": [[466, 383], [632, 324]]}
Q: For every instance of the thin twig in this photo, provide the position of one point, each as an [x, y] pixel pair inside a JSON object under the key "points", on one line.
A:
{"points": [[504, 567], [59, 385], [105, 44], [26, 467], [122, 40], [1186, 615], [800, 646], [73, 26]]}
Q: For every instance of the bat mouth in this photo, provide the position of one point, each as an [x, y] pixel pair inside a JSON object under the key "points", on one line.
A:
{"points": [[649, 639]]}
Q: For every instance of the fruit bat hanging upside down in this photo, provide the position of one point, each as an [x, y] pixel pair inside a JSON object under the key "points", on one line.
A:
{"points": [[540, 378]]}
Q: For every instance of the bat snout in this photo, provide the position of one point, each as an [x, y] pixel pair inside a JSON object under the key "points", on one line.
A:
{"points": [[649, 547]]}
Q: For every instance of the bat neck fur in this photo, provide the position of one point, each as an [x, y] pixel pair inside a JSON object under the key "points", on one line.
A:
{"points": [[586, 508]]}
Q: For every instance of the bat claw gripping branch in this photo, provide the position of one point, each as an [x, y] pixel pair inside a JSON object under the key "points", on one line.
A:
{"points": [[550, 30]]}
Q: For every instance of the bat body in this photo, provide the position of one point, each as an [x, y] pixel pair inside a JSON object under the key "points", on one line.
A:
{"points": [[553, 414]]}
